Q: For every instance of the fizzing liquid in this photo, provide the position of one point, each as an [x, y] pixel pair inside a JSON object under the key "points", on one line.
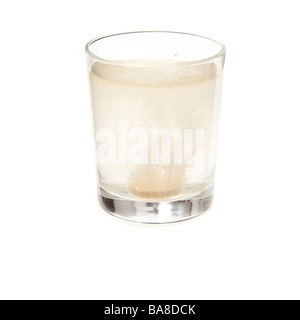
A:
{"points": [[155, 128]]}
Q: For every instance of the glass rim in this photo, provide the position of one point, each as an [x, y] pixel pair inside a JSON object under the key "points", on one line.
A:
{"points": [[220, 53]]}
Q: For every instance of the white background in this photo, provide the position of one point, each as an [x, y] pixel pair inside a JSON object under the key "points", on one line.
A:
{"points": [[55, 243]]}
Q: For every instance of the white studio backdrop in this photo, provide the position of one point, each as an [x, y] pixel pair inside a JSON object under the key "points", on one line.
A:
{"points": [[55, 242]]}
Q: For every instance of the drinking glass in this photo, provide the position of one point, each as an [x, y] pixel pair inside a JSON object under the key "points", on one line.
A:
{"points": [[156, 105]]}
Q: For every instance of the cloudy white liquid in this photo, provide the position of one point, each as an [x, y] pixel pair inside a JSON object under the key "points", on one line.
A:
{"points": [[155, 97]]}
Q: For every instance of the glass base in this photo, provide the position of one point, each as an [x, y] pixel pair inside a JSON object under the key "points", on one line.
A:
{"points": [[155, 212]]}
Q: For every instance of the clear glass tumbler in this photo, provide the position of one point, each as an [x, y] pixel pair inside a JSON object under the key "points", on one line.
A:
{"points": [[156, 105]]}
